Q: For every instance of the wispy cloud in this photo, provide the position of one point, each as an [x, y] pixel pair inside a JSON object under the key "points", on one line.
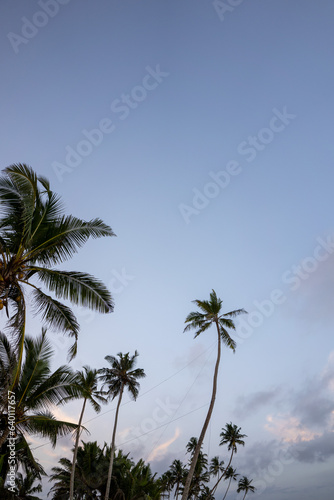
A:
{"points": [[289, 428], [161, 449]]}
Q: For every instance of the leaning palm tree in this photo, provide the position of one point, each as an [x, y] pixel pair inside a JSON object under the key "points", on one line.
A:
{"points": [[230, 475], [37, 392], [232, 436], [216, 470], [86, 385], [35, 235], [121, 375], [211, 313], [245, 485], [178, 475]]}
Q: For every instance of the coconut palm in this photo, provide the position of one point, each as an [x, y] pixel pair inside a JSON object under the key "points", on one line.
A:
{"points": [[211, 314], [90, 473], [230, 475], [216, 470], [121, 375], [25, 486], [178, 475], [232, 436], [37, 391], [35, 235], [86, 385], [133, 481], [245, 485]]}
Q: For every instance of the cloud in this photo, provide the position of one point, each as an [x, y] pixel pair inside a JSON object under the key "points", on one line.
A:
{"points": [[246, 405], [314, 404], [257, 456], [314, 300], [161, 449], [289, 428], [319, 449]]}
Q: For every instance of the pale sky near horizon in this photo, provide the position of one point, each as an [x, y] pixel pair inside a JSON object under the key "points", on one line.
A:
{"points": [[204, 138]]}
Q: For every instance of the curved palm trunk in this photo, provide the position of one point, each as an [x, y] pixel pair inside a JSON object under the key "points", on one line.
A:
{"points": [[113, 445], [76, 451], [229, 484], [206, 423], [221, 477]]}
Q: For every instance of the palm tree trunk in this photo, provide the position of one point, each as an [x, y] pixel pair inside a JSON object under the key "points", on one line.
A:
{"points": [[229, 484], [76, 446], [221, 477], [113, 445], [206, 423], [20, 347], [245, 495]]}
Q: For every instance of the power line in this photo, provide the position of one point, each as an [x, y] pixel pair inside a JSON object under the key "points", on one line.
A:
{"points": [[141, 395]]}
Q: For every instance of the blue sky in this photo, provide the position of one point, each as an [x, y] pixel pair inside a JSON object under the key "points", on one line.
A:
{"points": [[205, 141]]}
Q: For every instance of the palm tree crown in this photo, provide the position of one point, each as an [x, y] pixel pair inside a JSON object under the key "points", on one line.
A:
{"points": [[232, 436], [245, 485], [35, 235]]}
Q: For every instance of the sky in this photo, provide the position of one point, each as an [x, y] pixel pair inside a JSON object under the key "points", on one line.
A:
{"points": [[201, 132]]}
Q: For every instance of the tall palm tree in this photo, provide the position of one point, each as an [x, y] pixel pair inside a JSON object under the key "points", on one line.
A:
{"points": [[35, 235], [230, 475], [178, 475], [232, 436], [216, 470], [86, 385], [211, 314], [245, 485], [121, 375], [37, 391]]}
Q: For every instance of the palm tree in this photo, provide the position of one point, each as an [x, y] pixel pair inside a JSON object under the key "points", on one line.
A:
{"points": [[211, 313], [25, 486], [131, 480], [34, 236], [37, 391], [121, 375], [178, 474], [232, 436], [245, 485], [90, 473], [229, 475], [86, 385], [216, 468]]}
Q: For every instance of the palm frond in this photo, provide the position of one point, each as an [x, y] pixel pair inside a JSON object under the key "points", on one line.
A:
{"points": [[59, 241], [44, 424], [80, 288]]}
